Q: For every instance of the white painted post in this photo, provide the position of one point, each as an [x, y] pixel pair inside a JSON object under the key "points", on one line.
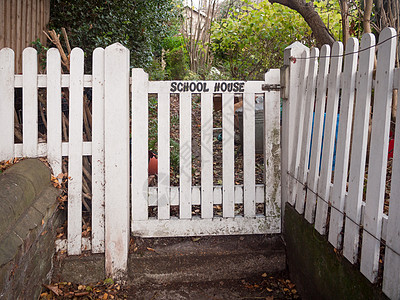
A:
{"points": [[98, 152], [391, 274], [185, 156], [299, 120], [164, 154], [312, 178], [75, 153], [307, 126], [54, 121], [140, 163], [378, 155], [324, 182], [249, 180], [359, 148], [272, 150], [343, 143], [228, 156], [30, 102], [207, 156], [6, 103], [289, 107], [116, 160]]}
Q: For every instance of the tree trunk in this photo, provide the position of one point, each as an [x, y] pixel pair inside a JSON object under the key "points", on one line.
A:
{"points": [[344, 12], [307, 11]]}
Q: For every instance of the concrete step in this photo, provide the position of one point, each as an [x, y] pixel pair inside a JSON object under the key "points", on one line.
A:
{"points": [[164, 261]]}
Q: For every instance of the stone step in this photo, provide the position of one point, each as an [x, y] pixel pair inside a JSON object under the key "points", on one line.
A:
{"points": [[184, 260]]}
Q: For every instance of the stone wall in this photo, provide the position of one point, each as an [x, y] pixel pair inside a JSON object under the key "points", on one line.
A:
{"points": [[28, 222]]}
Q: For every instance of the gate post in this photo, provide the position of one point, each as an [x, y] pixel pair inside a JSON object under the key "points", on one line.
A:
{"points": [[116, 160], [289, 108]]}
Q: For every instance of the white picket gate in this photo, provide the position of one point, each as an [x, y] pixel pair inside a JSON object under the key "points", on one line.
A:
{"points": [[120, 205], [307, 176]]}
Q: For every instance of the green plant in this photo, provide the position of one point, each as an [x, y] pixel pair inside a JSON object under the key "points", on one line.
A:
{"points": [[41, 51]]}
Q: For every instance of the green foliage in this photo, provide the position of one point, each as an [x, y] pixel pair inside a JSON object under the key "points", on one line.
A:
{"points": [[252, 38], [139, 25], [41, 51], [329, 11]]}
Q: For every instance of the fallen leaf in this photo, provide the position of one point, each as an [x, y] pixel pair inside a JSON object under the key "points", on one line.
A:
{"points": [[43, 233], [264, 275], [151, 249], [195, 239], [54, 289], [105, 296]]}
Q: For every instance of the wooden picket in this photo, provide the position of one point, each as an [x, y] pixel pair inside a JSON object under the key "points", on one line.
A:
{"points": [[343, 143], [332, 102], [378, 155], [312, 179], [340, 206]]}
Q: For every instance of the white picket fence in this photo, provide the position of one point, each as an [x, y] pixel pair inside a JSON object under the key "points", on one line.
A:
{"points": [[120, 205], [308, 173]]}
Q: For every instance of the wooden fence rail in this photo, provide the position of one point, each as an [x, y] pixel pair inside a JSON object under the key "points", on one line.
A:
{"points": [[332, 195]]}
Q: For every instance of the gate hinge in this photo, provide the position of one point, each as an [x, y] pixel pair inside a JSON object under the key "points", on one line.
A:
{"points": [[271, 87]]}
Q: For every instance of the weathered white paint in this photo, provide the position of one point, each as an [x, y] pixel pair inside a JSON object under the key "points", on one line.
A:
{"points": [[307, 125], [163, 155], [298, 134], [289, 106], [343, 143], [391, 274], [29, 102], [378, 155], [271, 196], [228, 156], [324, 182], [75, 153], [98, 180], [54, 118], [359, 146], [207, 156], [249, 179], [185, 155], [139, 144], [6, 103], [117, 160], [201, 227], [313, 174]]}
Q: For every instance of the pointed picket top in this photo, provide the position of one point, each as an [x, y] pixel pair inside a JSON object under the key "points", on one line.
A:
{"points": [[117, 46]]}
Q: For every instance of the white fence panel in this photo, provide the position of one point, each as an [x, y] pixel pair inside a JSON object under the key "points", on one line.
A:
{"points": [[324, 182], [307, 125], [312, 179], [54, 117], [359, 148], [6, 103], [117, 163], [249, 180], [228, 156], [163, 154], [75, 153], [391, 274], [298, 134], [140, 162], [207, 156], [30, 103], [378, 155], [185, 156], [272, 152], [98, 180], [343, 142]]}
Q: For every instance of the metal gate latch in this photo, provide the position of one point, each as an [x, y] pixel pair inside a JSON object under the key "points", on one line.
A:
{"points": [[271, 87]]}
